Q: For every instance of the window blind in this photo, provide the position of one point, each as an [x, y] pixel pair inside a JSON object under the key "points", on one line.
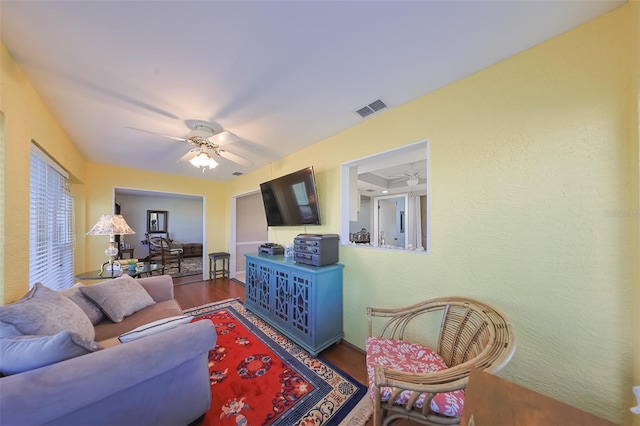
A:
{"points": [[51, 235]]}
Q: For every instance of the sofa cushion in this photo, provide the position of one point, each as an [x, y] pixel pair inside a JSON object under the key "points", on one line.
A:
{"points": [[24, 353], [107, 329], [118, 298], [155, 327], [43, 311], [92, 310]]}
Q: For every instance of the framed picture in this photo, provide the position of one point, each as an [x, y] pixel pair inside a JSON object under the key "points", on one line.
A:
{"points": [[157, 221]]}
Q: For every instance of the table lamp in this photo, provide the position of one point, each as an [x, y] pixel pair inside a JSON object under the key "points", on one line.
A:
{"points": [[111, 224]]}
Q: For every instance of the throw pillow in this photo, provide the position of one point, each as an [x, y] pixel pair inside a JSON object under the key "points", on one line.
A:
{"points": [[88, 307], [24, 353], [118, 298], [154, 327], [45, 312]]}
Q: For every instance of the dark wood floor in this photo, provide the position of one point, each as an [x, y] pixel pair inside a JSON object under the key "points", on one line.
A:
{"points": [[191, 292]]}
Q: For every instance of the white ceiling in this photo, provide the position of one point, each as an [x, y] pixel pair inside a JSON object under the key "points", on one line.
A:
{"points": [[279, 74]]}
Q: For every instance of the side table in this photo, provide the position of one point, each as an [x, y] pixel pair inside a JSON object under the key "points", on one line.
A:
{"points": [[491, 400], [123, 251]]}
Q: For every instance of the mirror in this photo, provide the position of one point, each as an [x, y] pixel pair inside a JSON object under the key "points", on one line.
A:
{"points": [[385, 200], [157, 221]]}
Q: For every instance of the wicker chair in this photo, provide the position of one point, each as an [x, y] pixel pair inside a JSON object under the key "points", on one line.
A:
{"points": [[472, 335]]}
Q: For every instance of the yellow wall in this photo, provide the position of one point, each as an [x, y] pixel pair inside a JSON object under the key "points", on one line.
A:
{"points": [[533, 163], [27, 118], [634, 158], [2, 207]]}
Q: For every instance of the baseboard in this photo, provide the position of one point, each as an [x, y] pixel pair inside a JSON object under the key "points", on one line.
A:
{"points": [[237, 281]]}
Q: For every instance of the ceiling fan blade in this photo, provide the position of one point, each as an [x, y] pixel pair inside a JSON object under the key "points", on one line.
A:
{"points": [[155, 133], [235, 158], [225, 137], [188, 156]]}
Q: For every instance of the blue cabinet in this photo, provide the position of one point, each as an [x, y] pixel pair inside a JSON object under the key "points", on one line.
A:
{"points": [[302, 302]]}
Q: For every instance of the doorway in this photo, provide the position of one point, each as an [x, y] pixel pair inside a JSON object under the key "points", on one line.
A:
{"points": [[248, 230], [186, 218], [389, 223]]}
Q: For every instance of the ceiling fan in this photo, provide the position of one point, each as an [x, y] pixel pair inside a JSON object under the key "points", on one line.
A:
{"points": [[412, 177], [207, 140]]}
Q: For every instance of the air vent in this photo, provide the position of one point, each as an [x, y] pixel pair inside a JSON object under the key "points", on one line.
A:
{"points": [[374, 106], [237, 173], [365, 111], [377, 105]]}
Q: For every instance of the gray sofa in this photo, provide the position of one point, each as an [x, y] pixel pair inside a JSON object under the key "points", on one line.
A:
{"points": [[160, 379]]}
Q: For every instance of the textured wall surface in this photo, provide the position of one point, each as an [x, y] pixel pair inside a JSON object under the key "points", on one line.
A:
{"points": [[2, 206], [530, 176], [27, 118]]}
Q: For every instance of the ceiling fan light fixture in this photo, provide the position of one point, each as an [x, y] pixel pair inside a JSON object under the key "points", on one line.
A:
{"points": [[201, 131], [203, 160], [206, 140], [412, 181]]}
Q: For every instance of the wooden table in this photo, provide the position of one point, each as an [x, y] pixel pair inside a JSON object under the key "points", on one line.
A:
{"points": [[123, 251], [493, 401]]}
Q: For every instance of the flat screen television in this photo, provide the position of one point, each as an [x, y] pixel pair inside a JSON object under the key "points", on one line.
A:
{"points": [[291, 200]]}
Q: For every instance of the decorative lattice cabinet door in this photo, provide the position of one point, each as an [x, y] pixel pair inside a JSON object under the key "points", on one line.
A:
{"points": [[281, 295], [258, 285]]}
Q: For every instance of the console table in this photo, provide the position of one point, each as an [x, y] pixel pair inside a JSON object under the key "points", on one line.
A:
{"points": [[491, 400], [302, 302]]}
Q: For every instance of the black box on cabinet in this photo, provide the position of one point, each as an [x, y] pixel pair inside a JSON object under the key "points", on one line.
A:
{"points": [[271, 249]]}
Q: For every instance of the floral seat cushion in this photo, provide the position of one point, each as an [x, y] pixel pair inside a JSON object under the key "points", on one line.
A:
{"points": [[411, 358]]}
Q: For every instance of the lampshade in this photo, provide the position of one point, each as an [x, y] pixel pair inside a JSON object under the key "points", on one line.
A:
{"points": [[203, 160], [111, 224], [412, 181]]}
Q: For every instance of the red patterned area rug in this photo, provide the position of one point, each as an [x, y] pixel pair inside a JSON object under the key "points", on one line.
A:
{"points": [[260, 377]]}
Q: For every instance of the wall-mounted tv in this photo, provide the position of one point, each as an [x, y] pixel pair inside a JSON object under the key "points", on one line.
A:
{"points": [[291, 200]]}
